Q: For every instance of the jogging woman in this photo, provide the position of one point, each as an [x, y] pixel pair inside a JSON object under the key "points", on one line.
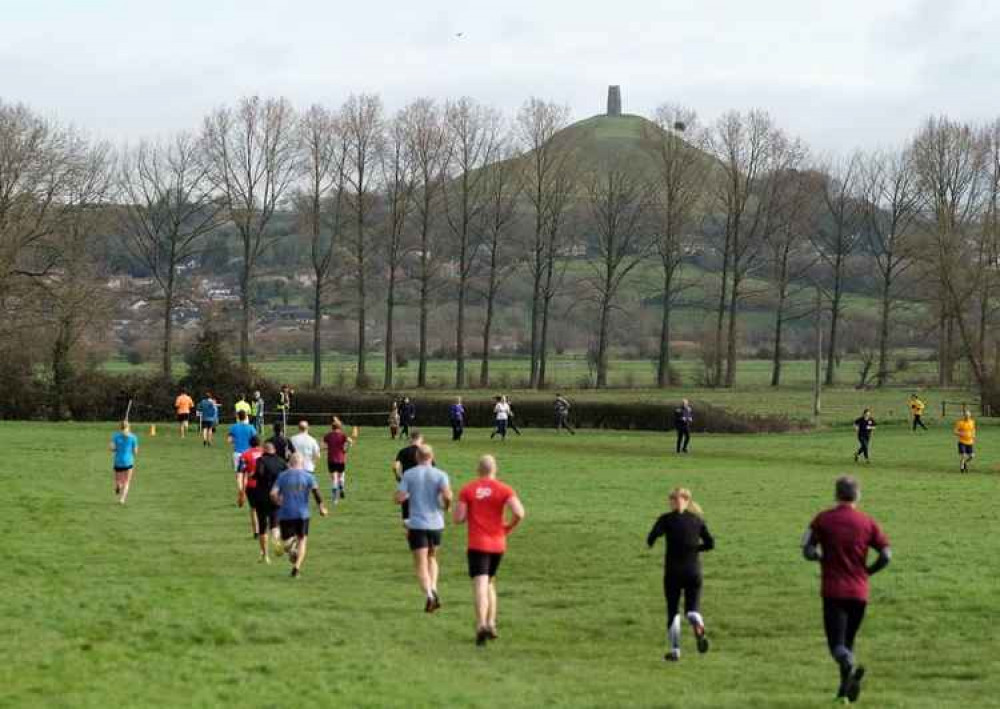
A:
{"points": [[864, 425], [687, 536]]}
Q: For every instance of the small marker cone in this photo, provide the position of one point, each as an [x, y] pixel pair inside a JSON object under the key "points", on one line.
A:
{"points": [[152, 431]]}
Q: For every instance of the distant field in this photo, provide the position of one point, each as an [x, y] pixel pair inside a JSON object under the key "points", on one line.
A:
{"points": [[162, 603]]}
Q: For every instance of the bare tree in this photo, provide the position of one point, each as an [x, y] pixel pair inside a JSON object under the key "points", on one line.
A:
{"points": [[428, 146], [473, 132], [361, 119], [889, 207], [502, 190], [169, 208], [618, 199], [556, 244], [988, 251], [682, 171], [835, 241], [399, 186], [950, 158], [254, 159], [544, 165], [321, 206]]}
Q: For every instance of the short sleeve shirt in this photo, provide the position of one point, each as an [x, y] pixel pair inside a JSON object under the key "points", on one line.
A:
{"points": [[845, 535], [183, 404], [209, 410], [294, 486], [423, 486], [248, 464], [336, 446], [306, 445], [485, 501], [865, 426], [966, 432], [125, 445], [241, 433]]}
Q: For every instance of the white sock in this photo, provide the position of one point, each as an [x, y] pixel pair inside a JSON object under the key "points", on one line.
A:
{"points": [[675, 633], [694, 618]]}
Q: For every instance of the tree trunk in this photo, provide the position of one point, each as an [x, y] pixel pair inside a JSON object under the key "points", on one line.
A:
{"points": [[721, 313], [245, 320], [361, 379], [779, 326], [734, 300], [424, 297], [61, 371], [390, 345], [883, 335], [831, 345], [168, 327], [491, 291], [317, 378], [943, 345], [663, 364], [543, 344], [535, 324], [602, 345], [460, 334]]}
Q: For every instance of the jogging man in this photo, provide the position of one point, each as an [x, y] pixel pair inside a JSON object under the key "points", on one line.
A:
{"points": [[269, 466], [290, 493], [917, 407], [337, 444], [965, 431], [305, 444], [407, 416], [240, 434], [687, 536], [511, 424], [839, 539], [456, 417], [208, 411], [427, 490], [482, 503], [247, 480], [864, 425], [501, 415], [282, 446], [683, 418], [124, 446], [406, 459], [183, 405], [562, 407]]}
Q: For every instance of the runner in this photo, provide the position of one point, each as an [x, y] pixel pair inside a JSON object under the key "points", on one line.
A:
{"points": [[183, 405], [426, 489], [125, 447], [282, 446], [456, 417], [501, 414], [482, 502], [239, 436], [247, 480], [290, 493], [562, 407], [243, 406], [336, 443], [305, 444], [864, 425], [917, 407], [686, 537], [839, 539], [965, 431], [257, 412], [407, 416], [406, 459], [208, 412], [269, 466], [394, 420], [683, 418], [510, 416]]}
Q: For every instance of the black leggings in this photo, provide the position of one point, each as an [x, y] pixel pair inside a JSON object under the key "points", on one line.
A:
{"points": [[456, 431], [842, 619], [683, 438], [863, 442], [918, 421], [673, 586]]}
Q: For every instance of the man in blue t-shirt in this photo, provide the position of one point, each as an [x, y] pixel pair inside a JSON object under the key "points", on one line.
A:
{"points": [[428, 493], [208, 412], [124, 446], [291, 493]]}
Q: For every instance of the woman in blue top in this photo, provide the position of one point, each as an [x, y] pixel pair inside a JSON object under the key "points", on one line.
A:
{"points": [[124, 446]]}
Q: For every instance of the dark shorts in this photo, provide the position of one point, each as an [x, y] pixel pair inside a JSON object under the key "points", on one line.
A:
{"points": [[293, 528], [183, 418], [122, 470], [483, 563], [966, 449], [206, 425], [265, 513], [424, 538], [336, 467]]}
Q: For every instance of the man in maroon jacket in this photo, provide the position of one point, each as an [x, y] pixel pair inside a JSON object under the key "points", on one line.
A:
{"points": [[839, 538]]}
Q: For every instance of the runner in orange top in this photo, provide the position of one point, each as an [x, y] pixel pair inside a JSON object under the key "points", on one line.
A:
{"points": [[482, 503], [183, 405], [965, 430]]}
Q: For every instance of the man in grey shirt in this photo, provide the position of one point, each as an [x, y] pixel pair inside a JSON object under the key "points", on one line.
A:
{"points": [[427, 491]]}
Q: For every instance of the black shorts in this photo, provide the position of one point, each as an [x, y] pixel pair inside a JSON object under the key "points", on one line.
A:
{"points": [[424, 538], [265, 513], [483, 563], [293, 528], [183, 418], [335, 467], [122, 470], [966, 449], [206, 425]]}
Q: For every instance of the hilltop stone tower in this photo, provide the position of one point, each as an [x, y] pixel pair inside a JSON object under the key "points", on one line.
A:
{"points": [[614, 100]]}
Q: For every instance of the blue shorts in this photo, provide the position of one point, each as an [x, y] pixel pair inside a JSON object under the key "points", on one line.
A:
{"points": [[966, 449]]}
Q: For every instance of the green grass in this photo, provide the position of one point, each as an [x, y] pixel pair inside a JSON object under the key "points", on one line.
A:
{"points": [[162, 602]]}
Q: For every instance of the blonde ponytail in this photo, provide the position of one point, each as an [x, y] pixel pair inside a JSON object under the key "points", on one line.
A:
{"points": [[682, 493]]}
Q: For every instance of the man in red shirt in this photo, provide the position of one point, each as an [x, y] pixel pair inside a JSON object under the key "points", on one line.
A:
{"points": [[336, 443], [839, 538], [246, 468], [482, 503]]}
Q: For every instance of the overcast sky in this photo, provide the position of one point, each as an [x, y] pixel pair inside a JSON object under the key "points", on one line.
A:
{"points": [[841, 74]]}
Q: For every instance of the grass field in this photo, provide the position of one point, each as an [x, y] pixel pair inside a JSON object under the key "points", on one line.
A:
{"points": [[162, 602]]}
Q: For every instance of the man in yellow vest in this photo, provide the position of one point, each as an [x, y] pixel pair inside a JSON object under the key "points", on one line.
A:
{"points": [[965, 430], [917, 407]]}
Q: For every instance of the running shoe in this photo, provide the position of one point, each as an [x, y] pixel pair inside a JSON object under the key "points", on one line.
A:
{"points": [[701, 638], [673, 656], [437, 601], [493, 634], [295, 572], [482, 635], [853, 689], [343, 495]]}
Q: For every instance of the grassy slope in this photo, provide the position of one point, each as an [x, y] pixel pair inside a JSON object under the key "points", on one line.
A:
{"points": [[162, 603]]}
